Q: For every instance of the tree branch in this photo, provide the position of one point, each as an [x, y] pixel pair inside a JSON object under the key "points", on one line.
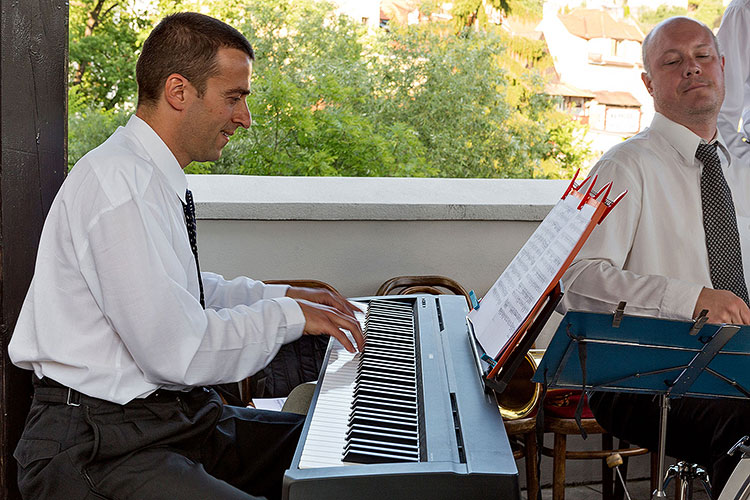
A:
{"points": [[92, 21]]}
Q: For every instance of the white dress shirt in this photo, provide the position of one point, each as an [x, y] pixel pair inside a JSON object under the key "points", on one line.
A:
{"points": [[734, 40], [113, 309], [650, 250]]}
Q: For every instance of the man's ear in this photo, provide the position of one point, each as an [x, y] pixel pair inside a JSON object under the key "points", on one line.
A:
{"points": [[647, 83], [176, 91]]}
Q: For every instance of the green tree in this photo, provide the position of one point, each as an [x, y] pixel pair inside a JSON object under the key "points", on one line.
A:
{"points": [[707, 11], [89, 125], [474, 12], [477, 112], [312, 100], [104, 41], [330, 97]]}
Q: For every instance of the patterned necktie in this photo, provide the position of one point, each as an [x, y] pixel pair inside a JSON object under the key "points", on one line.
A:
{"points": [[189, 209], [720, 225]]}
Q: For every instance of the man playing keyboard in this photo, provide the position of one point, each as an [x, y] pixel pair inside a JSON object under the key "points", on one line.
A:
{"points": [[123, 332]]}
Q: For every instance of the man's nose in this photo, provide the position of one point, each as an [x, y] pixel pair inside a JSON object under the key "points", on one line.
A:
{"points": [[692, 68], [242, 116]]}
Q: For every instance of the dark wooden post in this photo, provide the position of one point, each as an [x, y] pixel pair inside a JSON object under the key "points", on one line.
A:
{"points": [[33, 125]]}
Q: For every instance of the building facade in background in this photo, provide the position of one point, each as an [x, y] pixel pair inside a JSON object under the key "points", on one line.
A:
{"points": [[597, 58]]}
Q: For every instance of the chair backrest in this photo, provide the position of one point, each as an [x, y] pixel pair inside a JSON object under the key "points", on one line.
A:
{"points": [[437, 285], [287, 369], [303, 283]]}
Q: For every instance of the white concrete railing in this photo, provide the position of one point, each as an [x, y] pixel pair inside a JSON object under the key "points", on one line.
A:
{"points": [[355, 233]]}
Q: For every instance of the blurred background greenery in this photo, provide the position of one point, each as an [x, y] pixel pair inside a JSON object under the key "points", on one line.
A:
{"points": [[459, 98]]}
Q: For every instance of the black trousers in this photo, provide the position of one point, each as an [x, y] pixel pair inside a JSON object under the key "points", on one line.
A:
{"points": [[699, 431], [171, 445]]}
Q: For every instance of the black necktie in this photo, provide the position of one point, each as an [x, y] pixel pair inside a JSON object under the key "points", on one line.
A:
{"points": [[189, 208], [720, 225], [229, 392]]}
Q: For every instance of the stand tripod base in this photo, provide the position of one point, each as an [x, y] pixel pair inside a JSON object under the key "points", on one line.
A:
{"points": [[686, 474]]}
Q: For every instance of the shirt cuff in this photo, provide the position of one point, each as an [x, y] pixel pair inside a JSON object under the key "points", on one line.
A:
{"points": [[295, 320], [274, 291], [679, 300]]}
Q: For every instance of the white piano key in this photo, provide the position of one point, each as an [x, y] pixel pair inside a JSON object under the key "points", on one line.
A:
{"points": [[326, 437]]}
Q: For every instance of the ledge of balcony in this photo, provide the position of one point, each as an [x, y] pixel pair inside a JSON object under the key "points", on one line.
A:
{"points": [[238, 197]]}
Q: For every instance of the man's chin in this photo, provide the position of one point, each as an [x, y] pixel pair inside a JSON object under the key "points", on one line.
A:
{"points": [[209, 157], [705, 109]]}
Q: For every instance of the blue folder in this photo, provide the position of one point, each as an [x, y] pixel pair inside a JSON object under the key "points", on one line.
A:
{"points": [[647, 355]]}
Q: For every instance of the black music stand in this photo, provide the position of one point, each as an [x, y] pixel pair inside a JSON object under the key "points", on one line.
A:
{"points": [[672, 359]]}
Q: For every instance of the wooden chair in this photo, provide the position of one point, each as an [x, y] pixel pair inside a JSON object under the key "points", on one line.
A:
{"points": [[302, 283], [247, 384], [561, 428], [522, 432], [436, 285]]}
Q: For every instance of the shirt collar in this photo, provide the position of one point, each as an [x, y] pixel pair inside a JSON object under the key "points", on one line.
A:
{"points": [[161, 155], [683, 140]]}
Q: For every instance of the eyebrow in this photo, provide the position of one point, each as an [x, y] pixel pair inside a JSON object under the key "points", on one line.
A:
{"points": [[678, 52], [237, 90]]}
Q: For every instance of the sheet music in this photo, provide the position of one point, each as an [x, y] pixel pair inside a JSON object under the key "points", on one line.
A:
{"points": [[272, 404], [518, 289]]}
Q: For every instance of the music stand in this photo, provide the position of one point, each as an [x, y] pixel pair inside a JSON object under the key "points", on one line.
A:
{"points": [[499, 382], [624, 353]]}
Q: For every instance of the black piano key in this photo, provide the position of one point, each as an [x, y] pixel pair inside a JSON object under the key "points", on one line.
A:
{"points": [[398, 438], [393, 378], [387, 369], [392, 441], [403, 381], [383, 425], [401, 332], [394, 396], [393, 416], [381, 422], [363, 443], [385, 404], [373, 455], [385, 388], [387, 358]]}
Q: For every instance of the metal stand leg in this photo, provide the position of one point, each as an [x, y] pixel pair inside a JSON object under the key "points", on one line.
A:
{"points": [[685, 474], [664, 407], [614, 461]]}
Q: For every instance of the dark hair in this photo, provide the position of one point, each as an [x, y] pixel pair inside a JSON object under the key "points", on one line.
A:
{"points": [[184, 43]]}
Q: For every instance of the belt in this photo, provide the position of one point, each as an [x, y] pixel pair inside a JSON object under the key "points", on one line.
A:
{"points": [[47, 390]]}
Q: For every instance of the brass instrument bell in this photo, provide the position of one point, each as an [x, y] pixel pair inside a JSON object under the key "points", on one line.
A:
{"points": [[521, 396]]}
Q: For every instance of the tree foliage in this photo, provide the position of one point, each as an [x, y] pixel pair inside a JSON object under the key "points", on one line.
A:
{"points": [[104, 39], [707, 11], [330, 97], [474, 12]]}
